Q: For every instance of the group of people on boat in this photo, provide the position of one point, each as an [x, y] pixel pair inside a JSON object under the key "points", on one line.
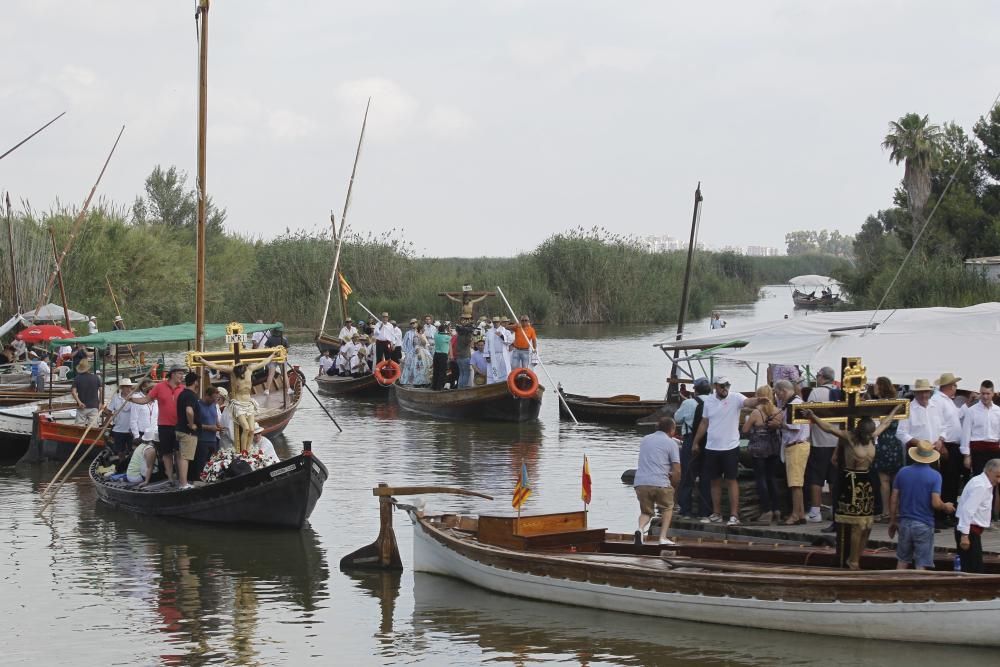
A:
{"points": [[174, 427], [435, 354], [936, 468]]}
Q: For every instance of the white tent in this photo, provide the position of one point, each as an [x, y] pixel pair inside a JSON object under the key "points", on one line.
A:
{"points": [[904, 344], [50, 312], [814, 280]]}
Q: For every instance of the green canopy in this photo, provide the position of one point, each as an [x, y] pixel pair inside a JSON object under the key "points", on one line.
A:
{"points": [[168, 334]]}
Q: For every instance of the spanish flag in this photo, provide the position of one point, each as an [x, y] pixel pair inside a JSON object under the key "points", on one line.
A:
{"points": [[345, 289], [523, 488], [585, 492]]}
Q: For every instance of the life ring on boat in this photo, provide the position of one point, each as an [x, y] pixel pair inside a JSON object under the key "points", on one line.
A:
{"points": [[518, 378], [387, 372]]}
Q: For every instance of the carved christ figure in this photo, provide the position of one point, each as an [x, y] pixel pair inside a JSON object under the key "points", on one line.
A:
{"points": [[241, 404], [467, 301]]}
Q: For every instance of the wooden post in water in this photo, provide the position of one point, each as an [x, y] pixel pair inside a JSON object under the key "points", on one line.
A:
{"points": [[62, 288], [13, 265], [673, 389], [202, 164]]}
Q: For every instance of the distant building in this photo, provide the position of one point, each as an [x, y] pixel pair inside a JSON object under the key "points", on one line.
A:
{"points": [[988, 266], [762, 251], [664, 243]]}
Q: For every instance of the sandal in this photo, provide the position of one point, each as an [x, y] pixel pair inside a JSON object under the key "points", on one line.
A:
{"points": [[791, 521]]}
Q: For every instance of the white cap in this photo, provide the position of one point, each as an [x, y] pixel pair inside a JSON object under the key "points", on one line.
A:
{"points": [[722, 379], [152, 434], [257, 428]]}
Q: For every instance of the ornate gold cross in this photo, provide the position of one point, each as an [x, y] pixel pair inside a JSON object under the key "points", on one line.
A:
{"points": [[854, 382], [236, 355]]}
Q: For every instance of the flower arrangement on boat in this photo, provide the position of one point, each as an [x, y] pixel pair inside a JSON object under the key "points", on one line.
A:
{"points": [[218, 467]]}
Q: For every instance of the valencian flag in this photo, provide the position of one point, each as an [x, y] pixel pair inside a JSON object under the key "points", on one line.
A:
{"points": [[523, 488], [345, 289], [585, 482]]}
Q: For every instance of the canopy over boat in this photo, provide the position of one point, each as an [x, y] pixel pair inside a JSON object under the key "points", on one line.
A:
{"points": [[901, 344], [812, 280], [50, 312], [168, 334]]}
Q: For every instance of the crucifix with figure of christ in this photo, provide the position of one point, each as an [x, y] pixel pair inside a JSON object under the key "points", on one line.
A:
{"points": [[240, 364], [467, 298], [854, 381]]}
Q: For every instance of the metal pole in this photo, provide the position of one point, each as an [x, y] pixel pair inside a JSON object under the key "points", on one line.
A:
{"points": [[62, 288], [318, 402], [535, 352], [25, 140], [673, 390], [13, 267], [202, 164]]}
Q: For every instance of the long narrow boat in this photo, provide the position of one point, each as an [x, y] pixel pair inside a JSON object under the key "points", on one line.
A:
{"points": [[283, 494], [489, 402], [365, 386], [559, 558], [622, 409]]}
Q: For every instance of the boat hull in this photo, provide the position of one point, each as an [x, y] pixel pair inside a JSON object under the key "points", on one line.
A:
{"points": [[535, 577], [492, 402], [324, 343], [603, 410], [283, 494], [365, 386]]}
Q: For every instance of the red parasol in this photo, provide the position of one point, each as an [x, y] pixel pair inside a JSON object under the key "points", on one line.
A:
{"points": [[43, 333]]}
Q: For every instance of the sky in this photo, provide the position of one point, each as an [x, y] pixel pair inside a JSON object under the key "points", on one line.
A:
{"points": [[494, 124]]}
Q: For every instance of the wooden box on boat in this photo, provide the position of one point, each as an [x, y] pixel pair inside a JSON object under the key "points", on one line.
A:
{"points": [[540, 532]]}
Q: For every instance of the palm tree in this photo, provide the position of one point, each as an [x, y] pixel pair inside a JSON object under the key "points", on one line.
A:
{"points": [[914, 140]]}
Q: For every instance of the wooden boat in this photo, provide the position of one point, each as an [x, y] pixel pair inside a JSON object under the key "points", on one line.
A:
{"points": [[57, 436], [489, 402], [364, 386], [803, 300], [559, 558], [17, 424], [621, 409], [283, 494], [326, 342]]}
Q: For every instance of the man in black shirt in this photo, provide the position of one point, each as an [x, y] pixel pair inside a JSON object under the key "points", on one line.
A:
{"points": [[79, 355], [274, 340], [188, 424], [86, 392]]}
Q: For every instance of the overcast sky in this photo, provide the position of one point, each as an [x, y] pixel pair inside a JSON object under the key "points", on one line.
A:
{"points": [[494, 124]]}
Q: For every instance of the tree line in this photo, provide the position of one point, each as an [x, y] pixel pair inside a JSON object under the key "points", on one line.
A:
{"points": [[146, 252]]}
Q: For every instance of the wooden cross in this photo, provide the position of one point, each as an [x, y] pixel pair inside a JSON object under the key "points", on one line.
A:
{"points": [[854, 381], [236, 355], [467, 298]]}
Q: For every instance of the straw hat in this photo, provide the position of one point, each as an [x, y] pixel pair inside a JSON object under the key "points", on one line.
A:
{"points": [[947, 378], [385, 314], [257, 428], [125, 382], [921, 384], [223, 392], [924, 452], [118, 318], [83, 366]]}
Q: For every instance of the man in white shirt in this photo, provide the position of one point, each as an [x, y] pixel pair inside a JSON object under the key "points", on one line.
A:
{"points": [[348, 331], [92, 325], [924, 422], [974, 512], [720, 428], [143, 416], [820, 469], [326, 361], [258, 337], [981, 431], [385, 333], [346, 355], [656, 476], [121, 434], [397, 343], [952, 468]]}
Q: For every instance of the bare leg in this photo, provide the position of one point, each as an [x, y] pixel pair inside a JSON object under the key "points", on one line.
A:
{"points": [[665, 518], [717, 496], [644, 520], [270, 379], [182, 470], [859, 538], [885, 482], [815, 495], [798, 511], [168, 466], [734, 497]]}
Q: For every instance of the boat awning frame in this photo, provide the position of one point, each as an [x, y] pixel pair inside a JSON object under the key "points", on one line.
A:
{"points": [[173, 333]]}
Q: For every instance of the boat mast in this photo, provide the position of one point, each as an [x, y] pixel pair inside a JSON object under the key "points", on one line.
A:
{"points": [[13, 266], [202, 140], [343, 222], [673, 389], [62, 288]]}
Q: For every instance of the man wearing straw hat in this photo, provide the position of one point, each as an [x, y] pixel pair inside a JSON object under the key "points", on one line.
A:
{"points": [[924, 422], [916, 495], [87, 394], [121, 432], [952, 471]]}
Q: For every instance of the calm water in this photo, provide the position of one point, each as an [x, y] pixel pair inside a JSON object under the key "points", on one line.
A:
{"points": [[91, 586]]}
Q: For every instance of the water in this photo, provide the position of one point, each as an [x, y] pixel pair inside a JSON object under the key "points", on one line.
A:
{"points": [[90, 586]]}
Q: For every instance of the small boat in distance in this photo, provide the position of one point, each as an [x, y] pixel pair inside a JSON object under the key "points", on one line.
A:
{"points": [[366, 386], [620, 409], [804, 291]]}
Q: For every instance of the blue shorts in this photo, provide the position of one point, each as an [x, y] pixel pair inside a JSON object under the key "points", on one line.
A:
{"points": [[915, 543]]}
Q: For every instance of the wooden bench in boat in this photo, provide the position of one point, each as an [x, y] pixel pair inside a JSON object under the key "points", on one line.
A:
{"points": [[541, 532]]}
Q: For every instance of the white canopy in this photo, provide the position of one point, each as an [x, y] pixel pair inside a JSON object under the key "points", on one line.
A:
{"points": [[904, 345], [50, 312], [813, 280]]}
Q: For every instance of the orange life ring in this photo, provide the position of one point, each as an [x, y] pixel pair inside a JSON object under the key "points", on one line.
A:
{"points": [[515, 380], [387, 372]]}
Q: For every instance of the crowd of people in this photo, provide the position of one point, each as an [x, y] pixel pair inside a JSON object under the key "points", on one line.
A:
{"points": [[935, 469], [432, 353]]}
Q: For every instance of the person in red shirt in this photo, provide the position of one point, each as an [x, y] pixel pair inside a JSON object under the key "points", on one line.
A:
{"points": [[165, 394], [520, 356]]}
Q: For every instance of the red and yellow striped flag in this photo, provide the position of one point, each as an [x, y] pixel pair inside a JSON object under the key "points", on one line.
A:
{"points": [[585, 492], [345, 289], [523, 488]]}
